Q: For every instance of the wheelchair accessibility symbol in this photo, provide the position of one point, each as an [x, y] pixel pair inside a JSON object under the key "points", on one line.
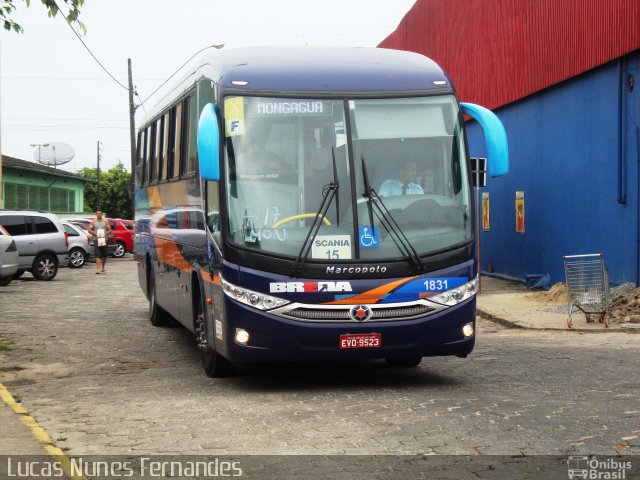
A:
{"points": [[369, 237]]}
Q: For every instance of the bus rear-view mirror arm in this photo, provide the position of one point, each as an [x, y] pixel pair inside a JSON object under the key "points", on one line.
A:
{"points": [[495, 138], [209, 144]]}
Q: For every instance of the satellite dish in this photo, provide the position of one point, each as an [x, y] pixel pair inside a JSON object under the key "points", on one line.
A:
{"points": [[53, 153]]}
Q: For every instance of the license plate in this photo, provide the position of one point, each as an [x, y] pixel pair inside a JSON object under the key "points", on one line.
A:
{"points": [[360, 340]]}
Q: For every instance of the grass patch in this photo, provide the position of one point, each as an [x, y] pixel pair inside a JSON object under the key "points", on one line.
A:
{"points": [[12, 368], [17, 397], [6, 344]]}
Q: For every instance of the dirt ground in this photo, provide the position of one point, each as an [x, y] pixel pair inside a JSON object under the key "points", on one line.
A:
{"points": [[623, 309], [626, 308], [556, 294]]}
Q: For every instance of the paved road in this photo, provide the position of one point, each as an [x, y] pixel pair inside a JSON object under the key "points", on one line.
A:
{"points": [[101, 379]]}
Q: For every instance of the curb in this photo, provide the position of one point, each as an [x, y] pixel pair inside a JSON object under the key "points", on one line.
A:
{"points": [[39, 434], [516, 326]]}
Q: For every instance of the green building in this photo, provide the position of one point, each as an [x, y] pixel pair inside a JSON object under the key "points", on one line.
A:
{"points": [[30, 185]]}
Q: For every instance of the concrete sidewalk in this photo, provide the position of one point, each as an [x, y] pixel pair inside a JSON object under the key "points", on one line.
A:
{"points": [[513, 305], [15, 437]]}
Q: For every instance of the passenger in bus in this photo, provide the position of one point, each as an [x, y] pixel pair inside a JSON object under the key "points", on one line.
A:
{"points": [[256, 159], [405, 184]]}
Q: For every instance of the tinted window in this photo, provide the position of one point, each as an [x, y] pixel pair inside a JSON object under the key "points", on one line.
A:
{"points": [[155, 128], [166, 147], [177, 155], [71, 231], [192, 150], [140, 158], [44, 225], [113, 225], [15, 224], [213, 207], [83, 223], [148, 158]]}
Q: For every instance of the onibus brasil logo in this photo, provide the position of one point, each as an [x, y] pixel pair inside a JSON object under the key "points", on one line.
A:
{"points": [[593, 468]]}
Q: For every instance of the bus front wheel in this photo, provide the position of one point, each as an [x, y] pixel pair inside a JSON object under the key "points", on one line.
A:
{"points": [[214, 364]]}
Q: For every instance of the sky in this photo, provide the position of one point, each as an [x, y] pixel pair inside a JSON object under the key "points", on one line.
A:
{"points": [[51, 90]]}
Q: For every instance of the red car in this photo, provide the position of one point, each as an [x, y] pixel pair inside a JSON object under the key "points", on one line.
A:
{"points": [[122, 232]]}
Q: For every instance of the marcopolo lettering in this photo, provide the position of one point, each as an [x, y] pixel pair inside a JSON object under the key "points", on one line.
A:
{"points": [[309, 287], [372, 269]]}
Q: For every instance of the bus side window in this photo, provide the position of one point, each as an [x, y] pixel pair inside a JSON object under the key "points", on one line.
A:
{"points": [[166, 146], [177, 149], [213, 207], [192, 150], [140, 159], [159, 147], [171, 135], [151, 153]]}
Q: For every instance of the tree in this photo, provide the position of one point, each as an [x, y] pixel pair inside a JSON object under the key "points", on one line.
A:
{"points": [[7, 7], [114, 194]]}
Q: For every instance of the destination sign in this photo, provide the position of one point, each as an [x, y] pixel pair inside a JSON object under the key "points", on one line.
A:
{"points": [[293, 107]]}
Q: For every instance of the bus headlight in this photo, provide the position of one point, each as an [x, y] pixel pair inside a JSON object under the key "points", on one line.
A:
{"points": [[251, 298], [456, 295]]}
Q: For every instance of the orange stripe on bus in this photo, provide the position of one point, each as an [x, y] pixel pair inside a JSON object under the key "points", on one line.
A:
{"points": [[371, 296]]}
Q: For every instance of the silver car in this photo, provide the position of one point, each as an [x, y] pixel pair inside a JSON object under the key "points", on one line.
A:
{"points": [[80, 247], [8, 258], [40, 239]]}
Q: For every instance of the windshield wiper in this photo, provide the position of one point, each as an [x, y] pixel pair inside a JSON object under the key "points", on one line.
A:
{"points": [[329, 191], [377, 206]]}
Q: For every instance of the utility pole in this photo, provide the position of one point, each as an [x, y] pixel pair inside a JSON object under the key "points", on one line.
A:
{"points": [[132, 139], [98, 178]]}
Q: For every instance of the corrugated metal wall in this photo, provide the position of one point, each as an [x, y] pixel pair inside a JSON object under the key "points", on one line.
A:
{"points": [[565, 145], [498, 51]]}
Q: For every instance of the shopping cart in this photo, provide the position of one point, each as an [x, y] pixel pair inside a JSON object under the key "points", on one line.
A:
{"points": [[587, 286]]}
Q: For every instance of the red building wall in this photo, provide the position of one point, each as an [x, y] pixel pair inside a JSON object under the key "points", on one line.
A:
{"points": [[498, 51]]}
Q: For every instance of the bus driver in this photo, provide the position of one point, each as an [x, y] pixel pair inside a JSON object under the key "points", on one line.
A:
{"points": [[405, 184]]}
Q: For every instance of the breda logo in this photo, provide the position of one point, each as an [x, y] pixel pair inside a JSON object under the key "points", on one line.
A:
{"points": [[309, 287]]}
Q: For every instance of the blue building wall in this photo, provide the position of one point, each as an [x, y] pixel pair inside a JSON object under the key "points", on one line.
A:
{"points": [[565, 150]]}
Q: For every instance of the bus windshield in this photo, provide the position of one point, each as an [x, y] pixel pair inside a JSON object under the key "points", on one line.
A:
{"points": [[282, 154]]}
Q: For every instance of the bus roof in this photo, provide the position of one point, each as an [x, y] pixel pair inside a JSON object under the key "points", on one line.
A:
{"points": [[315, 70]]}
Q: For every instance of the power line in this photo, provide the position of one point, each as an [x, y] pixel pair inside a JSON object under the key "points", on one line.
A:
{"points": [[91, 53], [115, 148], [135, 92], [83, 119], [218, 46]]}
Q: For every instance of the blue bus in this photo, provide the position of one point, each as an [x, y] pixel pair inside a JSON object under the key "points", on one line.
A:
{"points": [[298, 204]]}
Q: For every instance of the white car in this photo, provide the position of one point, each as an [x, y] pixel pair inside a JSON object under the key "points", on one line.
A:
{"points": [[8, 257], [80, 247]]}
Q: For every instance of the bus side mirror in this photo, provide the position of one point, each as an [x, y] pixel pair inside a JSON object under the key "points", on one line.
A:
{"points": [[209, 144], [495, 138]]}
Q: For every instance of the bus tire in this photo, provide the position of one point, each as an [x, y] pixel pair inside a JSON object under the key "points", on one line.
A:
{"points": [[403, 362], [157, 315], [214, 364]]}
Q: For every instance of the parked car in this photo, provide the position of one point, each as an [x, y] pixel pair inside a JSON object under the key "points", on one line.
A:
{"points": [[84, 224], [81, 248], [8, 257], [122, 231], [79, 245], [40, 239]]}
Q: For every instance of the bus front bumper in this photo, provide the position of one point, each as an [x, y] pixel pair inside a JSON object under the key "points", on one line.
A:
{"points": [[274, 338]]}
